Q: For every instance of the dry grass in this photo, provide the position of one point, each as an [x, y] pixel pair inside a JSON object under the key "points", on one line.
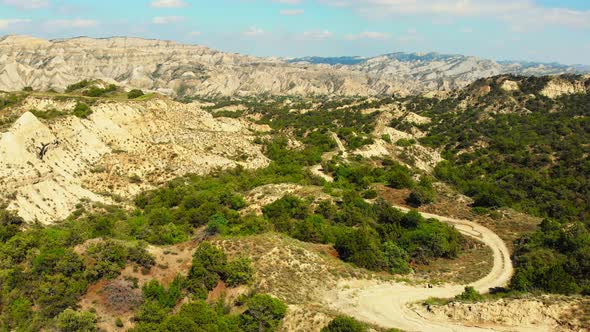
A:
{"points": [[474, 263]]}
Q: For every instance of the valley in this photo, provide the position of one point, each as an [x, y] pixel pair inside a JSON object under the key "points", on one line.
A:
{"points": [[221, 192]]}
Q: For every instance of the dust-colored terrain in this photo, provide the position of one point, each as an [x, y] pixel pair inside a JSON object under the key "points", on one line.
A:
{"points": [[172, 68], [535, 314], [121, 149]]}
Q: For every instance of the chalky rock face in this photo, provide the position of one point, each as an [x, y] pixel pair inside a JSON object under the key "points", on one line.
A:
{"points": [[121, 149], [167, 67], [176, 69]]}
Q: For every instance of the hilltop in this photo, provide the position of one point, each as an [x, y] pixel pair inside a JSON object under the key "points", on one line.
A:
{"points": [[186, 70]]}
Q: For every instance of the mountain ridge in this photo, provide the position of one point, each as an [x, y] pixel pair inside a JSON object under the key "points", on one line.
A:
{"points": [[181, 70]]}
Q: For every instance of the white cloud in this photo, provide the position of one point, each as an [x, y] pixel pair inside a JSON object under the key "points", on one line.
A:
{"points": [[466, 30], [292, 12], [167, 19], [317, 34], [26, 4], [522, 14], [74, 23], [168, 4], [195, 33], [288, 2], [368, 35], [7, 23], [540, 17], [253, 32], [447, 7]]}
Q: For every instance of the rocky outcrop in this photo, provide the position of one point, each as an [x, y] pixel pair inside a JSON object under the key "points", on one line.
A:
{"points": [[559, 87], [169, 68], [541, 313], [176, 69], [121, 149]]}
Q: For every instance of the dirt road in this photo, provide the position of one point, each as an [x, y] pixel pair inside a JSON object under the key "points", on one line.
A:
{"points": [[386, 303]]}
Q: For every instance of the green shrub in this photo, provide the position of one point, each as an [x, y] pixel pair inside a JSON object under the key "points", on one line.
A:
{"points": [[167, 298], [469, 295], [344, 324], [99, 92], [370, 194], [135, 93], [109, 258], [404, 142], [73, 321], [10, 224], [48, 114], [77, 86], [264, 313], [82, 111], [238, 272]]}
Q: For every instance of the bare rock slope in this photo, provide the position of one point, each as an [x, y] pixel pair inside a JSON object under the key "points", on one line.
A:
{"points": [[119, 150], [178, 69]]}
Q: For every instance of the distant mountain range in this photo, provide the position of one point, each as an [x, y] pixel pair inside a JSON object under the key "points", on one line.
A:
{"points": [[433, 56], [185, 70]]}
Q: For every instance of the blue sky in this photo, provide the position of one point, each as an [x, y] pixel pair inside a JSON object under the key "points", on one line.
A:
{"points": [[537, 30]]}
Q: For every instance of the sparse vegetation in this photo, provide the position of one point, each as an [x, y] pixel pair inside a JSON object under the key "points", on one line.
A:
{"points": [[78, 86], [94, 91]]}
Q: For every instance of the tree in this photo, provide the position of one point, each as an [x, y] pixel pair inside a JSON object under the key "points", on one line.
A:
{"points": [[344, 324], [218, 224], [399, 177], [10, 224], [73, 321], [396, 258], [361, 247], [135, 93], [264, 314], [238, 272], [423, 193]]}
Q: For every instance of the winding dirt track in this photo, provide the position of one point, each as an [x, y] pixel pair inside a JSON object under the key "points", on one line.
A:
{"points": [[386, 303]]}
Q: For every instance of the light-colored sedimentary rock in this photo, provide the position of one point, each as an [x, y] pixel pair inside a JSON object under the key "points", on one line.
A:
{"points": [[121, 149]]}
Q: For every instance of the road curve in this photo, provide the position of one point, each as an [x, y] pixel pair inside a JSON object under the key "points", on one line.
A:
{"points": [[386, 303]]}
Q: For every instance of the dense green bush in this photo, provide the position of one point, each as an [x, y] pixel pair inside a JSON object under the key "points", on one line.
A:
{"points": [[167, 298], [533, 161], [82, 111], [422, 194], [554, 259], [99, 92], [210, 265], [264, 313], [77, 86], [238, 272], [469, 295], [73, 321], [344, 324], [134, 94], [10, 225]]}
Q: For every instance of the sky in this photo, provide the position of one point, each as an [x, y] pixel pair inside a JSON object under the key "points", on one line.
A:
{"points": [[532, 30]]}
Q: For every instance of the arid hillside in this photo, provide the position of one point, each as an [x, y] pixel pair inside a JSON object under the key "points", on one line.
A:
{"points": [[50, 159], [187, 70]]}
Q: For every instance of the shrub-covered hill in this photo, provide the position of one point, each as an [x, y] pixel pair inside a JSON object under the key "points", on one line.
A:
{"points": [[523, 143]]}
